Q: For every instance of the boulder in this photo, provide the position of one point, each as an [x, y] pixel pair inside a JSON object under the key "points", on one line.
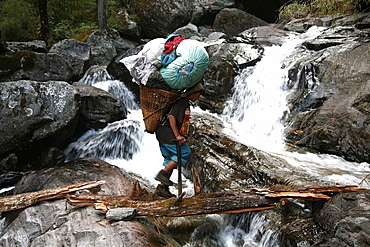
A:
{"points": [[35, 116], [98, 107], [223, 164], [56, 223], [232, 21], [28, 65], [77, 53], [160, 18], [204, 12], [102, 49]]}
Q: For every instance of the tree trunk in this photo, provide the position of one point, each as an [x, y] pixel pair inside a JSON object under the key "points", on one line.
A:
{"points": [[102, 15], [44, 20]]}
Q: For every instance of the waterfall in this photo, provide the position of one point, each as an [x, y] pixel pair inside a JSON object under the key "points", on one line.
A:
{"points": [[254, 113]]}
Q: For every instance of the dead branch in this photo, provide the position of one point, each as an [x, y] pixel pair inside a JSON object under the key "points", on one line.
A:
{"points": [[18, 201]]}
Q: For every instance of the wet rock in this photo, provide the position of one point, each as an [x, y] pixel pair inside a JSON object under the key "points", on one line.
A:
{"points": [[225, 61], [347, 218], [224, 164], [56, 223], [263, 35], [98, 107], [337, 122]]}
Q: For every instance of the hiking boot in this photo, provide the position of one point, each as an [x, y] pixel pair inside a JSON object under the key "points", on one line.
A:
{"points": [[163, 191], [163, 177]]}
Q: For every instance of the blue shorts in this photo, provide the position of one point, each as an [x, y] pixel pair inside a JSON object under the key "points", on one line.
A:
{"points": [[169, 152]]}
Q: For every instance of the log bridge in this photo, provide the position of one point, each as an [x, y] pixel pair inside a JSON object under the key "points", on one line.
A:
{"points": [[149, 204]]}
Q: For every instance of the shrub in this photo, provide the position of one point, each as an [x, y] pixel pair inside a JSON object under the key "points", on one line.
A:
{"points": [[300, 8]]}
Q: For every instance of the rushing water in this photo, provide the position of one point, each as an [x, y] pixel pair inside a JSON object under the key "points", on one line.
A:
{"points": [[252, 115]]}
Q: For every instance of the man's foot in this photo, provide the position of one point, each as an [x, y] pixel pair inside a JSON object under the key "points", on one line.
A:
{"points": [[163, 191], [163, 177]]}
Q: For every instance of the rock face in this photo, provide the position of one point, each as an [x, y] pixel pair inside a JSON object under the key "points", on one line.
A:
{"points": [[347, 218], [54, 223], [37, 116], [333, 114]]}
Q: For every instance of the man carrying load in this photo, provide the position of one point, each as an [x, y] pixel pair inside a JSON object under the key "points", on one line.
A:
{"points": [[174, 130]]}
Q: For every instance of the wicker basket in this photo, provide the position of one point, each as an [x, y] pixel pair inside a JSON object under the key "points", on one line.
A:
{"points": [[155, 103]]}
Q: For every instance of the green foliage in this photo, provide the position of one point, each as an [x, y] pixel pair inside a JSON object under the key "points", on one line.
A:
{"points": [[18, 20], [301, 8], [70, 18]]}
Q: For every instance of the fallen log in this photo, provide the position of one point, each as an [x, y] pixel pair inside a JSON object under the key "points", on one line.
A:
{"points": [[18, 201], [211, 203]]}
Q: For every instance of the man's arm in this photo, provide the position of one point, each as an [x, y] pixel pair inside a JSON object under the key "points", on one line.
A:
{"points": [[179, 138]]}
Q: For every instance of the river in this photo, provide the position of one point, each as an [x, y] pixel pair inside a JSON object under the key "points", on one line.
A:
{"points": [[253, 115]]}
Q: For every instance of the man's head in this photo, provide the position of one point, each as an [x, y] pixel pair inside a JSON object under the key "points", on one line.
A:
{"points": [[194, 93]]}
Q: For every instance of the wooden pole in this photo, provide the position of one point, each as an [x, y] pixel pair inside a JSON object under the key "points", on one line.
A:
{"points": [[178, 146]]}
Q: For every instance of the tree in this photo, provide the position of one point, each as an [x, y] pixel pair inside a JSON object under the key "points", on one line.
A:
{"points": [[102, 15]]}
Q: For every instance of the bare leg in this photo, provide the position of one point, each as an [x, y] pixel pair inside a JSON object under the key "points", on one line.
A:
{"points": [[170, 166]]}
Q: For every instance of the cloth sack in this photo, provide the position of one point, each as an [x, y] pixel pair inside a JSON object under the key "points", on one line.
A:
{"points": [[189, 66]]}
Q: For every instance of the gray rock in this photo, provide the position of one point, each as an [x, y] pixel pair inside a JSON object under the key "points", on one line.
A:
{"points": [[232, 21], [36, 115], [77, 53], [117, 214], [56, 223], [160, 18], [347, 218], [38, 67], [187, 31]]}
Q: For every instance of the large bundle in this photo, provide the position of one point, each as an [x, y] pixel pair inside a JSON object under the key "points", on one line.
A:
{"points": [[181, 65], [155, 103], [189, 66]]}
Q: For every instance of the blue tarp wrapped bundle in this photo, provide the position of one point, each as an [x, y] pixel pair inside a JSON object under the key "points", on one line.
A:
{"points": [[188, 67]]}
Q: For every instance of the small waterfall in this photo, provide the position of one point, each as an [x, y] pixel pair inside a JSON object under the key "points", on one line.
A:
{"points": [[118, 140], [232, 230]]}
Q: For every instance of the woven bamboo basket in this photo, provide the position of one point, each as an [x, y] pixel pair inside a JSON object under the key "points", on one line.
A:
{"points": [[155, 103]]}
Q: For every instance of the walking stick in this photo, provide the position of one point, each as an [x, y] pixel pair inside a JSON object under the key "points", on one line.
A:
{"points": [[179, 168]]}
